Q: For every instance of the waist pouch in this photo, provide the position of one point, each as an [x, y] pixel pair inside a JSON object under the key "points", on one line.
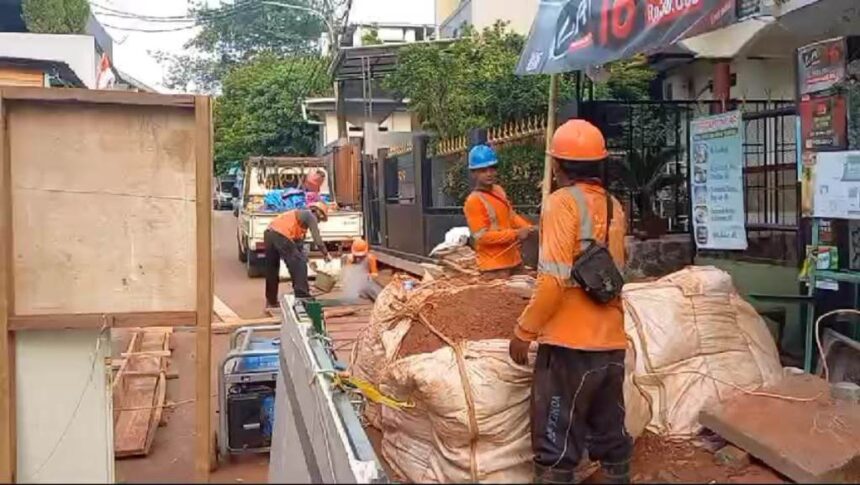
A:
{"points": [[594, 270]]}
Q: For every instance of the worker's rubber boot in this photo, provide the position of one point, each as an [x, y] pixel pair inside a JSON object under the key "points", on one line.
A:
{"points": [[616, 473], [552, 475]]}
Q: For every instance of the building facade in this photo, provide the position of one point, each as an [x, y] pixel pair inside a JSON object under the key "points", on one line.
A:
{"points": [[452, 16]]}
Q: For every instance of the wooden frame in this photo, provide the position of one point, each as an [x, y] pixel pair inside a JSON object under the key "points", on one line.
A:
{"points": [[199, 317]]}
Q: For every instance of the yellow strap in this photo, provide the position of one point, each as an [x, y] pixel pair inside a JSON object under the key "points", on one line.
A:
{"points": [[370, 392]]}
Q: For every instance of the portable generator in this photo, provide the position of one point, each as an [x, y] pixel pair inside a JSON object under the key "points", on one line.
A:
{"points": [[246, 392]]}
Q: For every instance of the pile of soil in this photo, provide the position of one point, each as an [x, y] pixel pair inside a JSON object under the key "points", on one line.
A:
{"points": [[474, 313], [658, 460]]}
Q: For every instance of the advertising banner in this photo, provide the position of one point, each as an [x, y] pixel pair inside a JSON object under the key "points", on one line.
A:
{"points": [[570, 35], [821, 65], [717, 182], [836, 185], [823, 123]]}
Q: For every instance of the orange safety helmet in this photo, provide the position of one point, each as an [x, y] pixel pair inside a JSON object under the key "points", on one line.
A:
{"points": [[322, 210], [578, 141], [359, 247]]}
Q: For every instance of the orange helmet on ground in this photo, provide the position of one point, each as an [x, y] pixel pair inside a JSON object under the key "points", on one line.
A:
{"points": [[578, 141], [359, 247], [322, 210]]}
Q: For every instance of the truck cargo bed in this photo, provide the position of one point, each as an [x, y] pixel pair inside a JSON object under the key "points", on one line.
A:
{"points": [[318, 435]]}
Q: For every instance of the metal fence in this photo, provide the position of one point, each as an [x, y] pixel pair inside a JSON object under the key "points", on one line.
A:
{"points": [[653, 134]]}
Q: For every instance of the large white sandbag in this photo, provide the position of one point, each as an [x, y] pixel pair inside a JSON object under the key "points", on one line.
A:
{"points": [[694, 339]]}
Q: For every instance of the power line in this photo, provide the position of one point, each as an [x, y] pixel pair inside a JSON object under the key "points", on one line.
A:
{"points": [[217, 15]]}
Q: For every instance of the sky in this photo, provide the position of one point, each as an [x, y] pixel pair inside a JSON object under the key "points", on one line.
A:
{"points": [[131, 51]]}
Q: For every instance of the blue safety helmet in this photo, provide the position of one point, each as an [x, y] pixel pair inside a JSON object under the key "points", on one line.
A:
{"points": [[482, 156]]}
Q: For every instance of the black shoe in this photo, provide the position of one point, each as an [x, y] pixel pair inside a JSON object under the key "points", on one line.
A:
{"points": [[616, 473], [544, 474]]}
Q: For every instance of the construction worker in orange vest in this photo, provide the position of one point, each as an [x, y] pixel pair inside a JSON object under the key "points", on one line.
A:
{"points": [[497, 230], [284, 240], [361, 256], [577, 400]]}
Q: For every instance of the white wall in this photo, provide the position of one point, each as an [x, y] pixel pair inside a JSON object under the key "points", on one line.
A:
{"points": [[400, 121], [757, 79], [63, 410], [78, 51]]}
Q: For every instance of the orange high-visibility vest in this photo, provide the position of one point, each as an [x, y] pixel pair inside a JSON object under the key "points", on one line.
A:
{"points": [[493, 224], [289, 226], [560, 313]]}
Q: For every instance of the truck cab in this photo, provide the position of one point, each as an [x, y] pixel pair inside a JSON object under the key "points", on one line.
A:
{"points": [[263, 174]]}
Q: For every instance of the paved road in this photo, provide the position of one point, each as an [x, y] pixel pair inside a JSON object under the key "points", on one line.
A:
{"points": [[232, 285]]}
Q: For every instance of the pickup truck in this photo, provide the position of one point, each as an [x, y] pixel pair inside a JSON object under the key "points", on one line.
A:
{"points": [[267, 173]]}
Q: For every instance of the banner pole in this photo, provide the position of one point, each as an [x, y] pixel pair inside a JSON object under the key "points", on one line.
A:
{"points": [[550, 129]]}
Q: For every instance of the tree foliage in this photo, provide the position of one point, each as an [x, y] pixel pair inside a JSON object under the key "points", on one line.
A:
{"points": [[469, 83], [56, 16], [235, 33], [371, 37], [628, 80], [259, 111], [520, 173]]}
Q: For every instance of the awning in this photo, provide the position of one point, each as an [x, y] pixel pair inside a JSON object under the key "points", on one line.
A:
{"points": [[569, 35], [729, 41]]}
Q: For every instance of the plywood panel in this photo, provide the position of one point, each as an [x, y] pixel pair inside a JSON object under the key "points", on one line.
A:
{"points": [[65, 431], [104, 208]]}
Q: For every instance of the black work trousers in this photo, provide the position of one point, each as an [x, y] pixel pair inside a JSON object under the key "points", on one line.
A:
{"points": [[280, 247], [577, 406]]}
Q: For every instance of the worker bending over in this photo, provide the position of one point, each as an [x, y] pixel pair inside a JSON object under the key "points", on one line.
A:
{"points": [[360, 256], [576, 316], [284, 240], [497, 230]]}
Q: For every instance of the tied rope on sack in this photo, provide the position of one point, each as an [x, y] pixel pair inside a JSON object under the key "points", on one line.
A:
{"points": [[650, 373]]}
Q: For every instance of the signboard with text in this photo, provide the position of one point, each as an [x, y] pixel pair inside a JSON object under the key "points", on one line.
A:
{"points": [[821, 65], [569, 35], [716, 182], [823, 123]]}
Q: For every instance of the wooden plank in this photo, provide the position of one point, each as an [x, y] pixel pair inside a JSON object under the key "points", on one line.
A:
{"points": [[221, 328], [204, 438], [98, 320], [8, 441], [160, 397], [223, 311], [67, 95], [146, 353], [142, 257], [132, 426]]}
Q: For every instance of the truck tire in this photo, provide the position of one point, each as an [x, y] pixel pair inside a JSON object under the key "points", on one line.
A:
{"points": [[254, 270], [243, 254]]}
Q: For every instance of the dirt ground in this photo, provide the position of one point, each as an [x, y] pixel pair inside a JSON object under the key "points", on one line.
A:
{"points": [[657, 460]]}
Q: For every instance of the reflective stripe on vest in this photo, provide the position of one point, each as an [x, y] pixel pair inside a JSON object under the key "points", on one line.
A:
{"points": [[494, 219], [586, 227]]}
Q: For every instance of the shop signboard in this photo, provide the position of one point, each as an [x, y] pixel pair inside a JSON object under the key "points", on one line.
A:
{"points": [[716, 179]]}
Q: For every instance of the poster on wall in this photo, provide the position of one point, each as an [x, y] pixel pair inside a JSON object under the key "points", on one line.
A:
{"points": [[717, 183], [836, 185], [823, 123], [821, 65]]}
